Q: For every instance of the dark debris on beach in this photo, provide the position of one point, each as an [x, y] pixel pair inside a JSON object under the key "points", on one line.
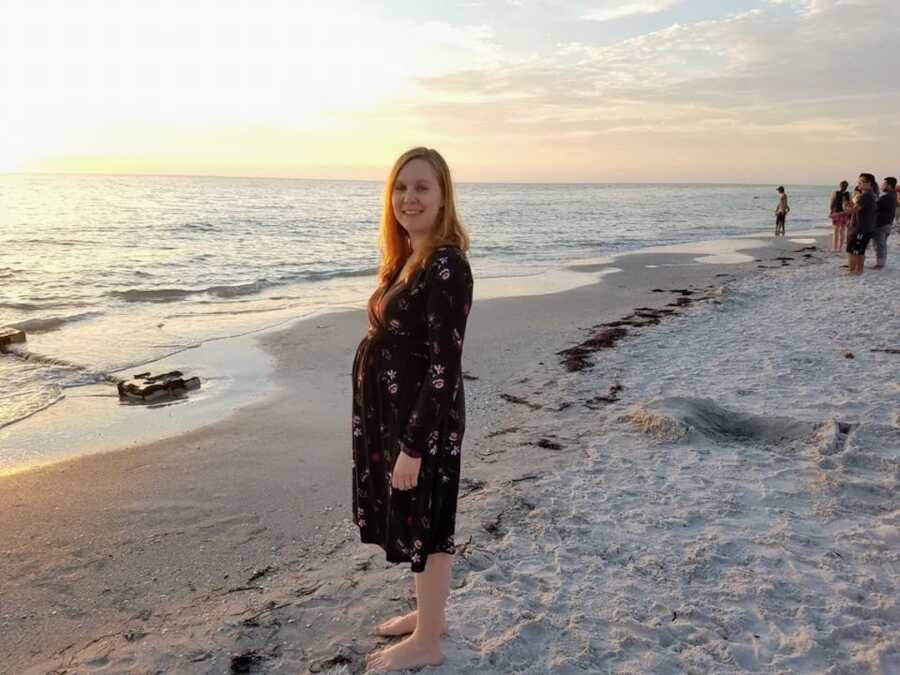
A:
{"points": [[611, 397], [501, 432], [510, 398], [247, 662], [576, 358]]}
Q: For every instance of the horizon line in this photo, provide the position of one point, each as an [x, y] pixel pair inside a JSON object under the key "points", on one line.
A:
{"points": [[374, 180]]}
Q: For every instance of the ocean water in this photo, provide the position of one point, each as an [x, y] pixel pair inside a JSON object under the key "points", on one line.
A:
{"points": [[105, 273]]}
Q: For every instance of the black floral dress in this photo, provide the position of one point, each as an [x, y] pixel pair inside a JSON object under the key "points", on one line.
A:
{"points": [[408, 397]]}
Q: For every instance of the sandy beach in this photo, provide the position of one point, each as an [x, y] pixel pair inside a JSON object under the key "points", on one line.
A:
{"points": [[709, 484]]}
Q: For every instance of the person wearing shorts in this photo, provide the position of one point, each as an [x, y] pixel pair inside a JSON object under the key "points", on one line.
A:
{"points": [[839, 216], [781, 210], [839, 222], [864, 224]]}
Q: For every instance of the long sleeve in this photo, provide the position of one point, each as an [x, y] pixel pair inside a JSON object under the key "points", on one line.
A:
{"points": [[448, 301]]}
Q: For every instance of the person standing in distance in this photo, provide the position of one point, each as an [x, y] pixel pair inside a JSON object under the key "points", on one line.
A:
{"points": [[863, 220], [897, 217], [409, 410], [885, 212], [838, 216], [781, 210]]}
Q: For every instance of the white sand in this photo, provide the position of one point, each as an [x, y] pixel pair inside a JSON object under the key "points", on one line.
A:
{"points": [[746, 532], [715, 519]]}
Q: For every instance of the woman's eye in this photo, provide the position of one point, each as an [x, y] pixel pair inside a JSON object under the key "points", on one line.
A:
{"points": [[422, 188]]}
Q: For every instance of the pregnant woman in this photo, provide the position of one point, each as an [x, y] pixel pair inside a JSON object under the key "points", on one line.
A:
{"points": [[408, 399]]}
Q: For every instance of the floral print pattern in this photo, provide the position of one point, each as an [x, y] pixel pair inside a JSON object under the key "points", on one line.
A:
{"points": [[408, 397]]}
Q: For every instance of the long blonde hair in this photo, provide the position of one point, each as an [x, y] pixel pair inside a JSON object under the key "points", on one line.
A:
{"points": [[393, 239]]}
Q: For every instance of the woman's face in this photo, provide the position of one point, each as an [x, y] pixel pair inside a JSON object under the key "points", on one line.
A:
{"points": [[417, 198]]}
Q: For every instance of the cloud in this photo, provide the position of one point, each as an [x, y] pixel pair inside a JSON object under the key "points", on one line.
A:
{"points": [[804, 86], [612, 11], [737, 94]]}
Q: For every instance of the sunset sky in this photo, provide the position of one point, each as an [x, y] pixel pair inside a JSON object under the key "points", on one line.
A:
{"points": [[516, 90]]}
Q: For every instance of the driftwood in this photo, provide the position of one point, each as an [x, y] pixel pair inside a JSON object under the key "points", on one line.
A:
{"points": [[10, 336], [147, 388]]}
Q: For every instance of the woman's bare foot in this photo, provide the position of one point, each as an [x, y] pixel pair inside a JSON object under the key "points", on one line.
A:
{"points": [[410, 653], [401, 625]]}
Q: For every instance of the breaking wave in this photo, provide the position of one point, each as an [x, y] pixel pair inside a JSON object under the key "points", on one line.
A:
{"points": [[236, 290], [52, 323], [176, 294]]}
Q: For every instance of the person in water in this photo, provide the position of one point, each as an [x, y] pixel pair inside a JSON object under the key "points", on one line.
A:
{"points": [[781, 210]]}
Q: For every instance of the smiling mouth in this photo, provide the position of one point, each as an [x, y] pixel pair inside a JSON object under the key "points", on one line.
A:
{"points": [[411, 213]]}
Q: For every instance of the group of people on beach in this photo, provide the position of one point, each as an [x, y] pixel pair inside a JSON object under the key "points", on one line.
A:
{"points": [[866, 215]]}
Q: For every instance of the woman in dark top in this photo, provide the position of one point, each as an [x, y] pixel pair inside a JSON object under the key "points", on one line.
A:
{"points": [[408, 398], [839, 217]]}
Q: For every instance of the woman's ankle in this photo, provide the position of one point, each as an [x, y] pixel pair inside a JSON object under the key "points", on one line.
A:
{"points": [[426, 639]]}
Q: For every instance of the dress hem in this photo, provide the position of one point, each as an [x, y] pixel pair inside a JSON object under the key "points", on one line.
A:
{"points": [[400, 560]]}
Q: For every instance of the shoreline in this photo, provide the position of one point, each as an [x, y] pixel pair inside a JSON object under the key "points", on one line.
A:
{"points": [[240, 517], [237, 371]]}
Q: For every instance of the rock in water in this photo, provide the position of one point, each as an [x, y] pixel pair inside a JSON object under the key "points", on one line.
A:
{"points": [[147, 388]]}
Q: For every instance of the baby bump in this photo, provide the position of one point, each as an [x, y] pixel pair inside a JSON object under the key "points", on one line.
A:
{"points": [[400, 375]]}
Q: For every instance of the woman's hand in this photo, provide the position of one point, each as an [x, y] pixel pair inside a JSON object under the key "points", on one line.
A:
{"points": [[406, 472]]}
